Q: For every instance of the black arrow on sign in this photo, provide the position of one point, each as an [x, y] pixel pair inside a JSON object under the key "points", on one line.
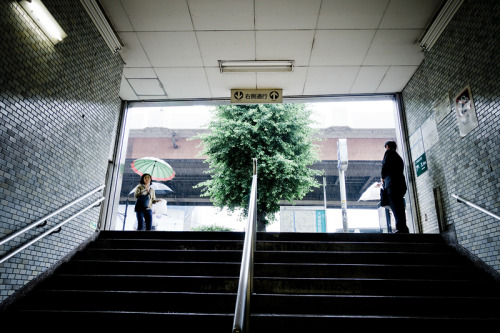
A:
{"points": [[238, 95], [274, 94]]}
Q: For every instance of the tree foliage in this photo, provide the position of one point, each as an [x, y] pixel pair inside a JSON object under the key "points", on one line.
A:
{"points": [[282, 140]]}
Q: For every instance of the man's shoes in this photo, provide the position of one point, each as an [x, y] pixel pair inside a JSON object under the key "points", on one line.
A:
{"points": [[401, 232]]}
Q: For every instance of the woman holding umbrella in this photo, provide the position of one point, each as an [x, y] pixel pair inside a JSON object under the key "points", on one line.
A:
{"points": [[146, 197]]}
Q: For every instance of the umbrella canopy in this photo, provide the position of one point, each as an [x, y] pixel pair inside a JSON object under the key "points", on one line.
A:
{"points": [[158, 187], [371, 193], [158, 169]]}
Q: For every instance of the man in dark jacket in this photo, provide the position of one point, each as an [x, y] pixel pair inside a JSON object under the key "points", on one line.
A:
{"points": [[393, 180]]}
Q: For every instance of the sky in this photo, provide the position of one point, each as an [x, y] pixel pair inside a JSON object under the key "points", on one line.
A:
{"points": [[360, 114]]}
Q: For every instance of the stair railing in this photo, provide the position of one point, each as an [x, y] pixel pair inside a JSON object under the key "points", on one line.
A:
{"points": [[245, 286], [44, 219], [468, 203]]}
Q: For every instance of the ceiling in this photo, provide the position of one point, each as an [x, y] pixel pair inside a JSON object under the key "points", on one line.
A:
{"points": [[172, 47]]}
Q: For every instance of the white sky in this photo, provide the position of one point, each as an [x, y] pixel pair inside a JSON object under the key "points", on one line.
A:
{"points": [[361, 114]]}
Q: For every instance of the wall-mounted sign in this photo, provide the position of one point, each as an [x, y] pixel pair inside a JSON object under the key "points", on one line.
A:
{"points": [[342, 154], [256, 96], [442, 107], [421, 164], [466, 113]]}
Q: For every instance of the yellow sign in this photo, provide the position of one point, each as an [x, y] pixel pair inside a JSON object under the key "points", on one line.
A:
{"points": [[255, 96]]}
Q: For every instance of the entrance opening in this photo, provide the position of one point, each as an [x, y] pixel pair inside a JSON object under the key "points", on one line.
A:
{"points": [[166, 132]]}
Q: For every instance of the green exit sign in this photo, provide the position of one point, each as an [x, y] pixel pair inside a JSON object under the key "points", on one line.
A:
{"points": [[421, 164]]}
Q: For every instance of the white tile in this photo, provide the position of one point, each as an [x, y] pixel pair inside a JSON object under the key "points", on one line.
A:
{"points": [[285, 45], [226, 45], [395, 47], [117, 15], [132, 53], [184, 82], [351, 14], [409, 14], [396, 78], [222, 14], [340, 47], [221, 84], [139, 72], [330, 80], [292, 83], [368, 79], [146, 87], [126, 92], [286, 14], [171, 49], [158, 15]]}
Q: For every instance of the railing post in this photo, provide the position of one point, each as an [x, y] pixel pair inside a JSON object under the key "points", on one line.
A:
{"points": [[241, 322]]}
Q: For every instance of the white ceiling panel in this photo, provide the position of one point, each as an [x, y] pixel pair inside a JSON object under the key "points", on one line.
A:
{"points": [[330, 80], [171, 49], [285, 45], [409, 14], [292, 83], [115, 11], [395, 47], [339, 46], [396, 78], [222, 15], [139, 72], [351, 14], [368, 79], [149, 86], [158, 15], [132, 53], [226, 45], [126, 92], [221, 84], [184, 82], [286, 14]]}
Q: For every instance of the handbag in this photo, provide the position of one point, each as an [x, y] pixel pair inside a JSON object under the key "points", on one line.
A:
{"points": [[160, 208], [142, 202], [384, 198]]}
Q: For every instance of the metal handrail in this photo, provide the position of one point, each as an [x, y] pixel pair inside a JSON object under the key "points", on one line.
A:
{"points": [[40, 221], [245, 285], [43, 219], [468, 203]]}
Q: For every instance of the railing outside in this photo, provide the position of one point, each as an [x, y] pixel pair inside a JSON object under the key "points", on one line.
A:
{"points": [[245, 286], [468, 203], [42, 220]]}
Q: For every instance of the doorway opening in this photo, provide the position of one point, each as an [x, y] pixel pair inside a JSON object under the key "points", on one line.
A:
{"points": [[166, 131]]}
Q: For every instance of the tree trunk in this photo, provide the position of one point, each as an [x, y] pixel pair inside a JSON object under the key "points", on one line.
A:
{"points": [[261, 221]]}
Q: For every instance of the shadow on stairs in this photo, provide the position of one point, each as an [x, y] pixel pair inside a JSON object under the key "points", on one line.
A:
{"points": [[187, 282]]}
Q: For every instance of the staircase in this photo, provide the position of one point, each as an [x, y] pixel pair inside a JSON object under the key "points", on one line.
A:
{"points": [[187, 282]]}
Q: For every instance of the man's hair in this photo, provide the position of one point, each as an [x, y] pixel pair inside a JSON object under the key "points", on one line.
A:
{"points": [[391, 145]]}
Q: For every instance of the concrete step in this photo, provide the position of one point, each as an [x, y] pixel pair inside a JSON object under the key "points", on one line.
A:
{"points": [[303, 282]]}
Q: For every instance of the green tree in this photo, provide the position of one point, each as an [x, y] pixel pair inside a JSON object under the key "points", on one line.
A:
{"points": [[213, 227], [282, 140]]}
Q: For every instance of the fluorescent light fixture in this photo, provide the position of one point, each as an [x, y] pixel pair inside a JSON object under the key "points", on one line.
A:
{"points": [[43, 19], [445, 15], [102, 24], [228, 66]]}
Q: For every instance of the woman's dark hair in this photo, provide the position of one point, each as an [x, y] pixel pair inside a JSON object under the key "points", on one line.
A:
{"points": [[142, 179], [391, 145]]}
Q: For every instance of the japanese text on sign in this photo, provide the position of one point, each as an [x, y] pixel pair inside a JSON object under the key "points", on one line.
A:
{"points": [[256, 96]]}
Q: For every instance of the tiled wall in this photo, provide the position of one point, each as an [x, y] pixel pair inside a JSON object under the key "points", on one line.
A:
{"points": [[59, 111], [465, 55]]}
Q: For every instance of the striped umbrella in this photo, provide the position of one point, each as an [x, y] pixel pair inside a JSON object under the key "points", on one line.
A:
{"points": [[158, 169]]}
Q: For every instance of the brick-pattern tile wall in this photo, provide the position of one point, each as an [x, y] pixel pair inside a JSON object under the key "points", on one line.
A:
{"points": [[465, 54], [59, 110]]}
